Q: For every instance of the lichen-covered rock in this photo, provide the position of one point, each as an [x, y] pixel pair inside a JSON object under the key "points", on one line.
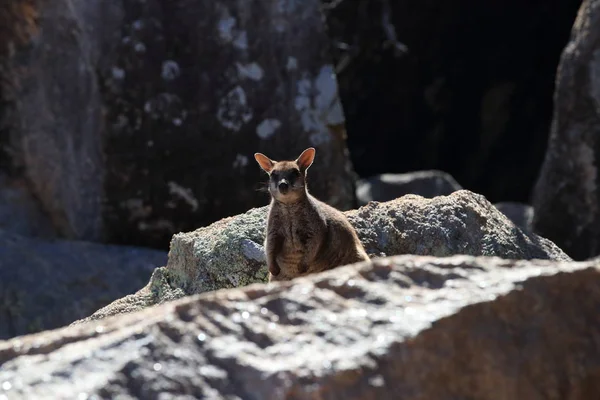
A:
{"points": [[427, 328], [46, 284], [229, 253], [134, 121], [386, 187], [566, 197]]}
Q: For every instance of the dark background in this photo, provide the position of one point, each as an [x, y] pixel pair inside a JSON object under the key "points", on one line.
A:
{"points": [[471, 95]]}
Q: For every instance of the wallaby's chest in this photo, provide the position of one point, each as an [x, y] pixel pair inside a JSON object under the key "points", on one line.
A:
{"points": [[295, 229], [295, 234]]}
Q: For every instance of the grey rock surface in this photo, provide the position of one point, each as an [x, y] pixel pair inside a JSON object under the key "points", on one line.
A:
{"points": [[45, 284], [226, 254], [425, 327], [566, 196], [386, 187]]}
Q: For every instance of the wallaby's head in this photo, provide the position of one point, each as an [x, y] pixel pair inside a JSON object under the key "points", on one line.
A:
{"points": [[287, 179]]}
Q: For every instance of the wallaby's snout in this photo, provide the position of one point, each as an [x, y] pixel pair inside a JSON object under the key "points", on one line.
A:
{"points": [[283, 186]]}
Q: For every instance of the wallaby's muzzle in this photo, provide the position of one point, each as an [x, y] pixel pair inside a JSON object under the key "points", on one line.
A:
{"points": [[283, 186]]}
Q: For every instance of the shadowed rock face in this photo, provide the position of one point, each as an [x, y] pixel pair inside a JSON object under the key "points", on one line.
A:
{"points": [[566, 196], [20, 212], [134, 121], [463, 86], [429, 328], [45, 284], [229, 253]]}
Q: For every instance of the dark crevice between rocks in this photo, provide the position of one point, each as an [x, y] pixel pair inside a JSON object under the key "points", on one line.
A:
{"points": [[11, 329], [595, 246], [8, 307], [7, 159]]}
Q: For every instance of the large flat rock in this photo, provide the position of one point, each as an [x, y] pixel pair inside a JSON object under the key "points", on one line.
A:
{"points": [[409, 327]]}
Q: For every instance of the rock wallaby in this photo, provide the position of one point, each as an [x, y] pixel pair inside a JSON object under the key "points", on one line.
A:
{"points": [[304, 234]]}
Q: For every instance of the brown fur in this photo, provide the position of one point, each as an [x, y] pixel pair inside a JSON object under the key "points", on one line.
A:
{"points": [[304, 234]]}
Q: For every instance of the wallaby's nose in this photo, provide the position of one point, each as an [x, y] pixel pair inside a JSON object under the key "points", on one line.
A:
{"points": [[283, 186]]}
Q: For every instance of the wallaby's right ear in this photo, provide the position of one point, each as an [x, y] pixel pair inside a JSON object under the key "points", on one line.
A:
{"points": [[265, 162]]}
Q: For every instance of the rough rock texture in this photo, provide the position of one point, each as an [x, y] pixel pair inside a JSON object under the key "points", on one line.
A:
{"points": [[520, 214], [229, 253], [20, 212], [386, 187], [408, 327], [461, 86], [567, 195], [46, 284], [136, 120]]}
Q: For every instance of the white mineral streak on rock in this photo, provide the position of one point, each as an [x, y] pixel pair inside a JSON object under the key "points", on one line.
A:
{"points": [[267, 128], [318, 103], [251, 71], [233, 110]]}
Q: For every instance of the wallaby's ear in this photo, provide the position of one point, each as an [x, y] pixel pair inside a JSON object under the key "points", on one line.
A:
{"points": [[265, 162], [306, 158]]}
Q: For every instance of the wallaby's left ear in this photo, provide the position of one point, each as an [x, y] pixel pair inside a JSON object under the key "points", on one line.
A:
{"points": [[306, 158]]}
